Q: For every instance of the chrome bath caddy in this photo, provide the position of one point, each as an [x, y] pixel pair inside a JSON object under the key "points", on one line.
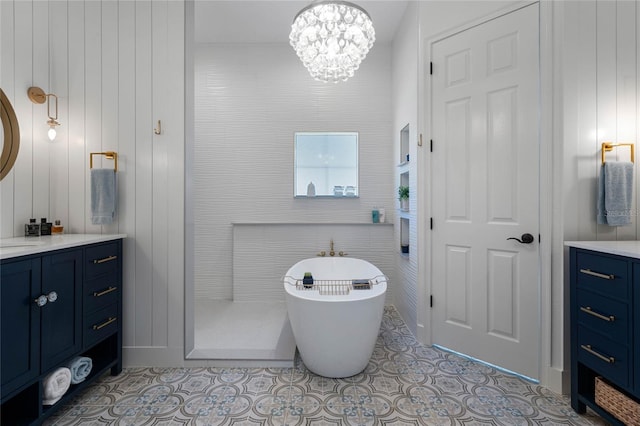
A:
{"points": [[335, 287]]}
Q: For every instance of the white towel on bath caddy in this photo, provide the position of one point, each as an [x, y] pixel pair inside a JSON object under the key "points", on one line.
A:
{"points": [[55, 385]]}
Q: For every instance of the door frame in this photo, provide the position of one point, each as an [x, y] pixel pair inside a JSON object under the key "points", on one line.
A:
{"points": [[552, 362]]}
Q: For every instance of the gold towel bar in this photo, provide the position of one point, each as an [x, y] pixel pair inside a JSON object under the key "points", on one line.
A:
{"points": [[110, 155], [608, 146]]}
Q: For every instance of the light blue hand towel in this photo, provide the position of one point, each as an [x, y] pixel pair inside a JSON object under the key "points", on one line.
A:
{"points": [[103, 196], [80, 368], [615, 193]]}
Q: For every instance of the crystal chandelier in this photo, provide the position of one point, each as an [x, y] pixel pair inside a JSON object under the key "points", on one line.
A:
{"points": [[332, 38]]}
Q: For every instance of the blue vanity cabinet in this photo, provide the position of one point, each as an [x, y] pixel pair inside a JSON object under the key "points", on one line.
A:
{"points": [[20, 325], [603, 295], [52, 311], [636, 326], [60, 336], [37, 337]]}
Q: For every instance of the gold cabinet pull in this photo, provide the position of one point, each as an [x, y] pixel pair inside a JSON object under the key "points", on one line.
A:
{"points": [[103, 292], [598, 274], [104, 324], [105, 259], [589, 311], [607, 359]]}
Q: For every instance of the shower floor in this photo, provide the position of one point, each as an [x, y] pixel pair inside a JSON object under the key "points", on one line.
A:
{"points": [[252, 331]]}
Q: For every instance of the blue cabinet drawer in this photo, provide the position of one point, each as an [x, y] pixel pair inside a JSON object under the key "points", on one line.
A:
{"points": [[100, 324], [606, 316], [100, 292], [102, 259], [603, 274], [604, 356]]}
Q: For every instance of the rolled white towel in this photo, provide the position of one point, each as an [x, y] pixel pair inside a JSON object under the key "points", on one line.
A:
{"points": [[80, 368], [55, 385]]}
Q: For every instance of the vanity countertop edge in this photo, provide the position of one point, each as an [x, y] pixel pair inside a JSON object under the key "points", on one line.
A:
{"points": [[620, 248], [24, 246]]}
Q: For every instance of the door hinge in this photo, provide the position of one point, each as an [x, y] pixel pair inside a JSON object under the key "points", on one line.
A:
{"points": [[431, 301], [430, 68], [430, 223], [420, 140], [539, 239], [430, 145]]}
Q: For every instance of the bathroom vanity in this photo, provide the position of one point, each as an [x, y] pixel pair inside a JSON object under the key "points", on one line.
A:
{"points": [[605, 323], [61, 297]]}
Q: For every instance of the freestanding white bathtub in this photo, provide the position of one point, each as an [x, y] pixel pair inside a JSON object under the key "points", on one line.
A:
{"points": [[334, 324]]}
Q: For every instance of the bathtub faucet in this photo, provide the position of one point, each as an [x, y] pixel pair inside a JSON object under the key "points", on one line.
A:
{"points": [[331, 251]]}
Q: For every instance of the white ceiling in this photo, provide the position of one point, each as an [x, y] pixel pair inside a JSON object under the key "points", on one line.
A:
{"points": [[269, 21]]}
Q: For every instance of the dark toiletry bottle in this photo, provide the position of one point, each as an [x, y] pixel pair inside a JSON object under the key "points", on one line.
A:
{"points": [[307, 280], [45, 227], [31, 229]]}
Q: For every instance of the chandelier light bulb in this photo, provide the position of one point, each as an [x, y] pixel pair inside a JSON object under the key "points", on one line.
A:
{"points": [[331, 38]]}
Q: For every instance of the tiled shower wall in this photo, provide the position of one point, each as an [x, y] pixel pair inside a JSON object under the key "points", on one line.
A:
{"points": [[249, 101], [263, 253]]}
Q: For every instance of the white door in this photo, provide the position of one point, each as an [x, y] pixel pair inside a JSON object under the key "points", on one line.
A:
{"points": [[485, 174]]}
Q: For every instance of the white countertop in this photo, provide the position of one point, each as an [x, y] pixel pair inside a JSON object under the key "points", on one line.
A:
{"points": [[22, 246], [621, 248]]}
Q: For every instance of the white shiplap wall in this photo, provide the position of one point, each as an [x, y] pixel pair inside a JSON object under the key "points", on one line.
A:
{"points": [[249, 101], [602, 98], [116, 66], [598, 52]]}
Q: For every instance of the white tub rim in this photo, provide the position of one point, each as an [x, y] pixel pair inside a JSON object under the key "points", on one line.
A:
{"points": [[379, 280]]}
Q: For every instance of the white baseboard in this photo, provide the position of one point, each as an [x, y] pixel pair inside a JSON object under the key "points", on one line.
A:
{"points": [[556, 380], [156, 356], [174, 357]]}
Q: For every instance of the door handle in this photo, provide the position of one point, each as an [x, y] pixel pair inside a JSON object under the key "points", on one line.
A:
{"points": [[524, 239]]}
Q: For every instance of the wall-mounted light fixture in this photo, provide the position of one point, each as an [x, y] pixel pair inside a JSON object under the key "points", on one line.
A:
{"points": [[38, 96]]}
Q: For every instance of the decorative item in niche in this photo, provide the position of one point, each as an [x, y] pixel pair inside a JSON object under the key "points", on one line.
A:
{"points": [[329, 160], [403, 197]]}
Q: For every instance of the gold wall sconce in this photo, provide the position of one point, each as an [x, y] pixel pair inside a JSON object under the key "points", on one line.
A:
{"points": [[38, 96]]}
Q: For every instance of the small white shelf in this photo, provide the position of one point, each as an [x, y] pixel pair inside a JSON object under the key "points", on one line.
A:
{"points": [[404, 144], [404, 234]]}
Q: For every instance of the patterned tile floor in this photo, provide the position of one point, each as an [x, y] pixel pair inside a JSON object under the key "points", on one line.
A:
{"points": [[405, 383]]}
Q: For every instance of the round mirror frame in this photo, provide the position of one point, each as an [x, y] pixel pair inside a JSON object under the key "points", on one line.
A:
{"points": [[11, 135]]}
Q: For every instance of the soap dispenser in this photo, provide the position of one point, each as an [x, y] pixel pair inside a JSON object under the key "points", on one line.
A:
{"points": [[45, 227], [31, 229]]}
